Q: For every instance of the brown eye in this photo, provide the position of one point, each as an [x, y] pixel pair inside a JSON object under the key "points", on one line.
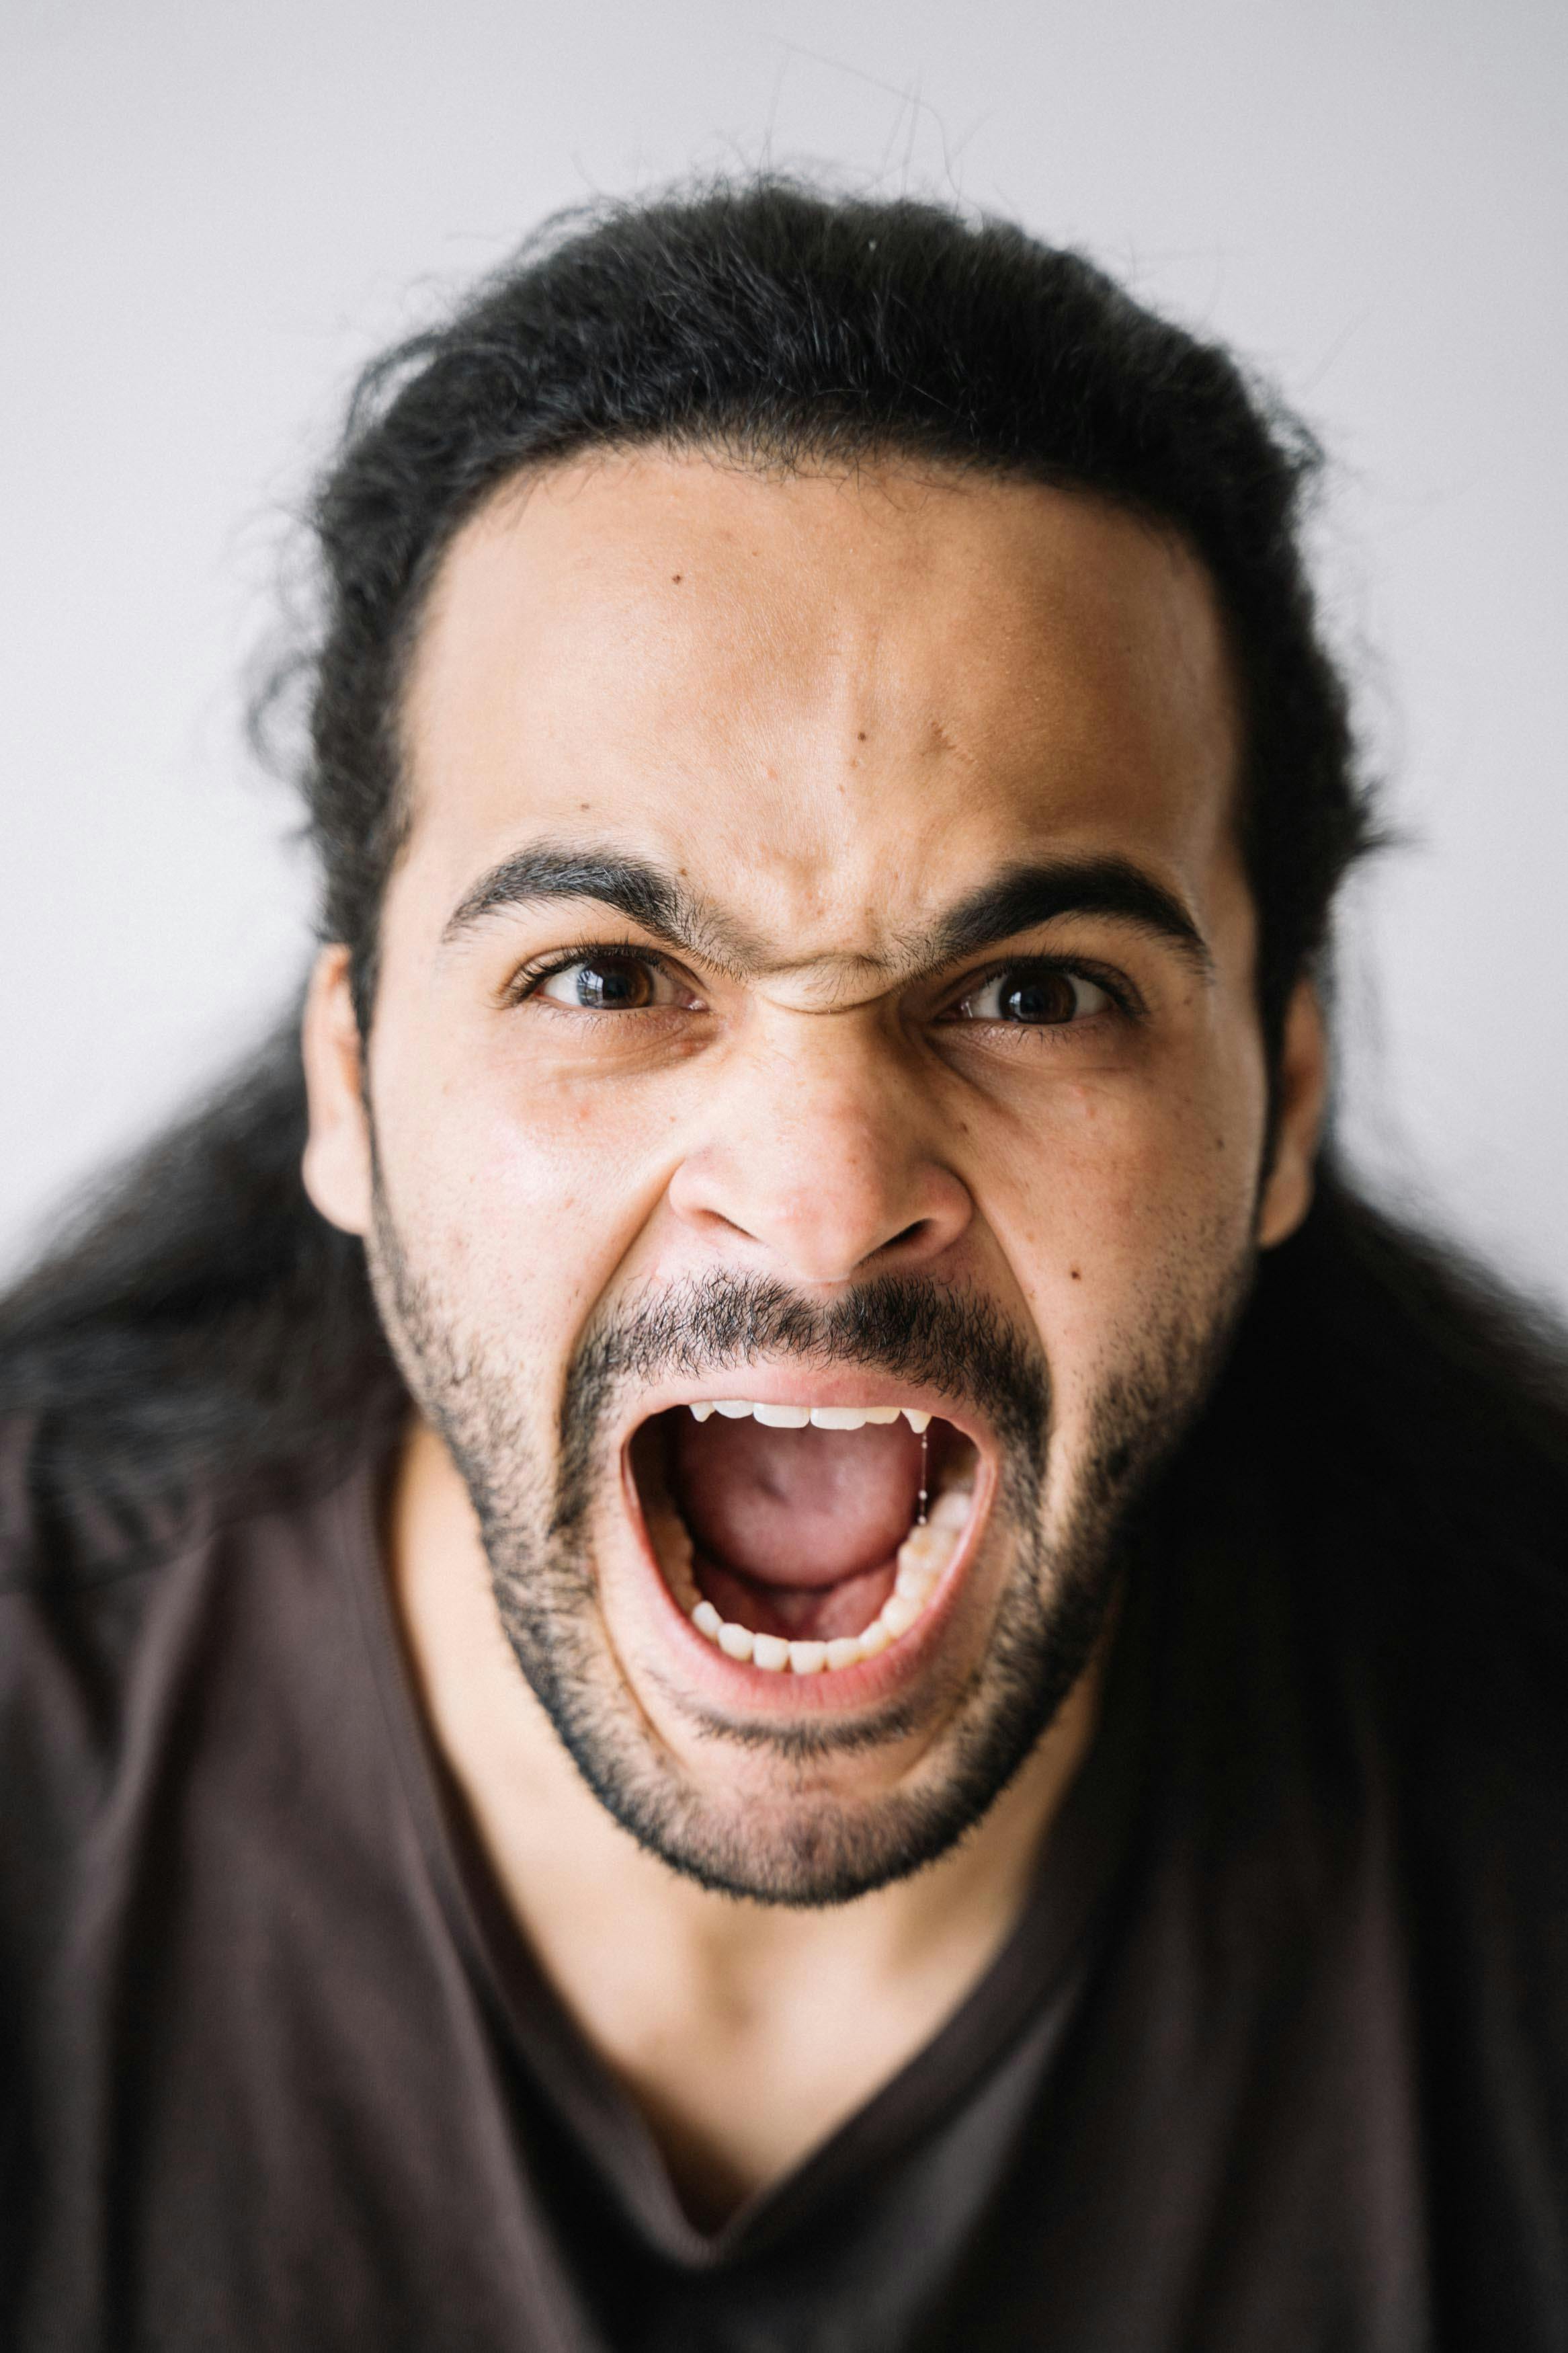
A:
{"points": [[1040, 995], [604, 984]]}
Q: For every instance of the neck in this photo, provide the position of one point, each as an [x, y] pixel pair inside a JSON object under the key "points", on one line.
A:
{"points": [[684, 1994]]}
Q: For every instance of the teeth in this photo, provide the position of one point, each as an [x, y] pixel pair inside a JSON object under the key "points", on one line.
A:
{"points": [[671, 1537], [899, 1614], [922, 1556], [820, 1416], [927, 1546]]}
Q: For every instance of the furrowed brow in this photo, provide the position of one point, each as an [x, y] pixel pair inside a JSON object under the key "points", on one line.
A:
{"points": [[1024, 896], [643, 893], [1015, 900]]}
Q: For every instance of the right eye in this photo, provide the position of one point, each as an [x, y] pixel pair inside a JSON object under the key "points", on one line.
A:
{"points": [[608, 984]]}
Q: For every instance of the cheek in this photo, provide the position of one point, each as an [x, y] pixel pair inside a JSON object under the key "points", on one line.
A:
{"points": [[1128, 1213], [525, 1194]]}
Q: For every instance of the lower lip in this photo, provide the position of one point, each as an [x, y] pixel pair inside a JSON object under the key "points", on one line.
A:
{"points": [[734, 1685]]}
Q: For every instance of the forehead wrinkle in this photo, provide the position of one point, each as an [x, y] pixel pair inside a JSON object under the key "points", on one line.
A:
{"points": [[657, 898]]}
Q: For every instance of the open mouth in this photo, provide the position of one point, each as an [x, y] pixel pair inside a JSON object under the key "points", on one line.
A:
{"points": [[803, 1539]]}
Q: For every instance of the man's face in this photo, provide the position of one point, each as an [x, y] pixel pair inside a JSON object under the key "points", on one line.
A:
{"points": [[818, 980]]}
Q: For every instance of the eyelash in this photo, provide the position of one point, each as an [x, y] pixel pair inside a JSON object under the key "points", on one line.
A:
{"points": [[1124, 997], [525, 983], [530, 977]]}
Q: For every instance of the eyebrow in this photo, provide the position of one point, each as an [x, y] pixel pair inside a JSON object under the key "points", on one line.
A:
{"points": [[1025, 896], [1018, 900], [643, 893]]}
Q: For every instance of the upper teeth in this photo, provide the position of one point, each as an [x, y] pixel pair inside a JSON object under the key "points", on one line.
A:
{"points": [[821, 1417]]}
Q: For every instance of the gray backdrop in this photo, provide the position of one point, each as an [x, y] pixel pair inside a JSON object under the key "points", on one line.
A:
{"points": [[213, 212]]}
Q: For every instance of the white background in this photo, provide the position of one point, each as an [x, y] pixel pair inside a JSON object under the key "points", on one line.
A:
{"points": [[214, 211]]}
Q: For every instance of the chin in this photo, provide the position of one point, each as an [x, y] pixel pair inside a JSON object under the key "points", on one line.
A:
{"points": [[800, 1586]]}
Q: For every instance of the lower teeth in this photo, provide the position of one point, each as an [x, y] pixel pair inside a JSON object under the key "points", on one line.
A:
{"points": [[924, 1555]]}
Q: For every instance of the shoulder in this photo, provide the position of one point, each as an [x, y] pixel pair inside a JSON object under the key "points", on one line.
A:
{"points": [[116, 1627]]}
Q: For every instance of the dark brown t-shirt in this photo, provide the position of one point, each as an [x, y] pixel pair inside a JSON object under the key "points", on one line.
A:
{"points": [[1275, 2059]]}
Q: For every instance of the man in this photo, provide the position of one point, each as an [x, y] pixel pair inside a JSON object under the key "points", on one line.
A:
{"points": [[822, 1648]]}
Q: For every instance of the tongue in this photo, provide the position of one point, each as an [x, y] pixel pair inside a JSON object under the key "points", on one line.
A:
{"points": [[801, 1507]]}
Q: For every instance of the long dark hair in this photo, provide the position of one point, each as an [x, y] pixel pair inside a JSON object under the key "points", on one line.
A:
{"points": [[199, 1329]]}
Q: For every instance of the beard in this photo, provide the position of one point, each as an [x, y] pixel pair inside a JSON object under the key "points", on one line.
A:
{"points": [[810, 1845]]}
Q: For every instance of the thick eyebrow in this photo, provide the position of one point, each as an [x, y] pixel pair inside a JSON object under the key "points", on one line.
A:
{"points": [[1017, 899], [643, 893], [1024, 896]]}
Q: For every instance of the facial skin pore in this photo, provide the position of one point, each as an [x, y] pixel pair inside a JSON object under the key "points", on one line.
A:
{"points": [[818, 722]]}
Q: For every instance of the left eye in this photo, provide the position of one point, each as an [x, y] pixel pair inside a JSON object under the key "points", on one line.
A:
{"points": [[1039, 996], [608, 984]]}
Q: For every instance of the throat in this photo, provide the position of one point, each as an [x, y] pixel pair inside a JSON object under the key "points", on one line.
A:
{"points": [[794, 1533], [799, 1547]]}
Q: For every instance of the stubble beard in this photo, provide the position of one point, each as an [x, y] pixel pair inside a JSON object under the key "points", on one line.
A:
{"points": [[811, 1846]]}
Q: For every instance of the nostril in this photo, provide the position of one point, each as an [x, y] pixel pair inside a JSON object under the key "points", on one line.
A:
{"points": [[825, 1223]]}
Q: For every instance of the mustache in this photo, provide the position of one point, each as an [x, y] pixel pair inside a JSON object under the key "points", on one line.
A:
{"points": [[955, 1342]]}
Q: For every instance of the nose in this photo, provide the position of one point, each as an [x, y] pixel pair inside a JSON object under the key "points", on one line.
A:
{"points": [[818, 1158]]}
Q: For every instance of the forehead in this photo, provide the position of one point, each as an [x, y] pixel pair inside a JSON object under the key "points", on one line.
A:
{"points": [[830, 701]]}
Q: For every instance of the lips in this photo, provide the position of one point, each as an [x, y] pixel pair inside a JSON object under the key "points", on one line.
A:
{"points": [[803, 1539]]}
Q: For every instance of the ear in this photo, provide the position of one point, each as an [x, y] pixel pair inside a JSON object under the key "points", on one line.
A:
{"points": [[1302, 1098], [337, 1163]]}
